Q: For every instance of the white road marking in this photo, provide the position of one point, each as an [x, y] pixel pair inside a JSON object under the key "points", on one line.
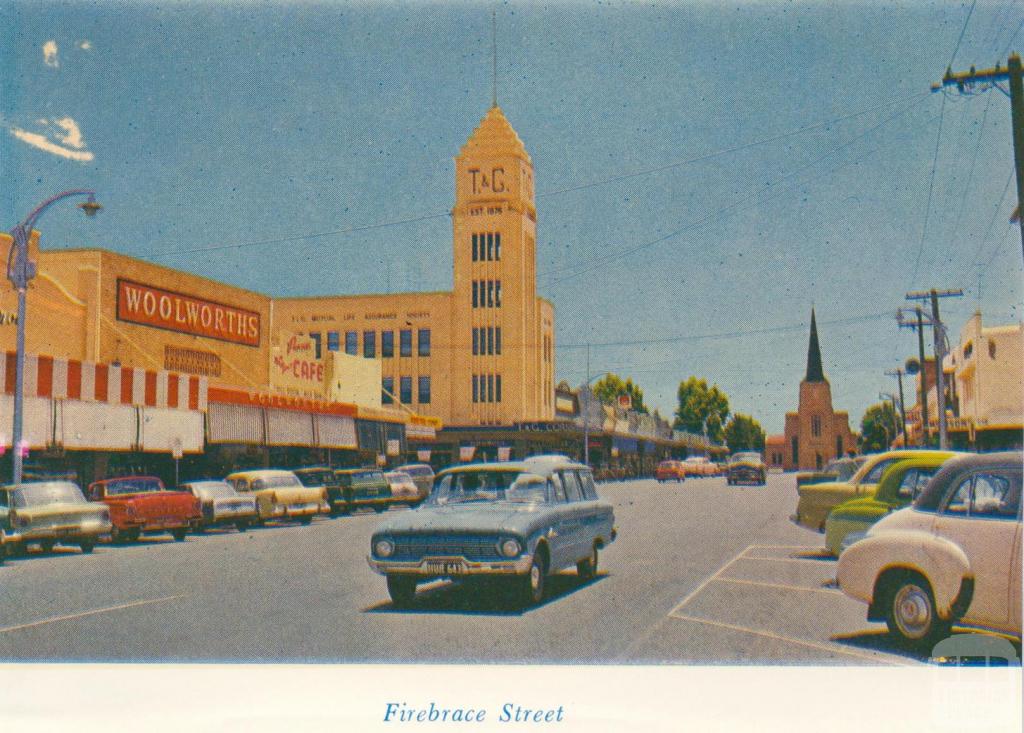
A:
{"points": [[784, 559], [706, 581], [69, 617], [777, 585]]}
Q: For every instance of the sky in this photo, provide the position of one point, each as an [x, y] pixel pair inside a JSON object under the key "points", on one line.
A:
{"points": [[706, 171]]}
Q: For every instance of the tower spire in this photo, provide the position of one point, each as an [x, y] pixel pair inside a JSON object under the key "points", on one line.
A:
{"points": [[814, 370]]}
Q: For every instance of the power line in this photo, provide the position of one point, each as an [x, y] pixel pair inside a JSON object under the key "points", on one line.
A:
{"points": [[995, 213], [962, 31], [1012, 39], [931, 186]]}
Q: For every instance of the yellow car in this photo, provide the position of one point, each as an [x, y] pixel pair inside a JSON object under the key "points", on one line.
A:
{"points": [[280, 495], [817, 500]]}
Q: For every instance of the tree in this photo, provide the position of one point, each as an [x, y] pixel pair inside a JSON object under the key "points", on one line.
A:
{"points": [[610, 387], [878, 427], [744, 433], [700, 405]]}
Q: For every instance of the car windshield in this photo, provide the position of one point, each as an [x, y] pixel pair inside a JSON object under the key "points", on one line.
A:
{"points": [[133, 486], [213, 490], [316, 478], [738, 457], [58, 492], [284, 481], [464, 487]]}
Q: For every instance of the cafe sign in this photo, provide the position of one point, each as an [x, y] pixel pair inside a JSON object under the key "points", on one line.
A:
{"points": [[150, 306]]}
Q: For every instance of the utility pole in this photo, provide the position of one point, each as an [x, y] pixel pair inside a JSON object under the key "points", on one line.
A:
{"points": [[923, 392], [898, 373], [965, 81], [939, 335]]}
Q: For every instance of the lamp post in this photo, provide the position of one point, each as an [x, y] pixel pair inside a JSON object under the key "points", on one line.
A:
{"points": [[586, 409], [20, 271]]}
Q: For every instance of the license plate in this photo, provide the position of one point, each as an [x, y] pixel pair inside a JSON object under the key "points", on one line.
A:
{"points": [[66, 532], [445, 567]]}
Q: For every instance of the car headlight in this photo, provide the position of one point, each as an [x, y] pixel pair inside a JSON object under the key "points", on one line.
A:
{"points": [[511, 548], [384, 548]]}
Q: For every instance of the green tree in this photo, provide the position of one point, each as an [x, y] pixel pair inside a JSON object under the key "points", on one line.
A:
{"points": [[700, 405], [743, 432], [878, 427], [610, 387]]}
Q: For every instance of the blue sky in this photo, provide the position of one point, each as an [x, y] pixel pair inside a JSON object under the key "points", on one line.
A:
{"points": [[209, 125]]}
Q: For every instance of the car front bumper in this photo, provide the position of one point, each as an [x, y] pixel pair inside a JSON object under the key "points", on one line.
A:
{"points": [[450, 567], [71, 533]]}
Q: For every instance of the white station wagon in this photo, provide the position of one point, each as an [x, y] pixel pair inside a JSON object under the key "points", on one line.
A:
{"points": [[953, 556]]}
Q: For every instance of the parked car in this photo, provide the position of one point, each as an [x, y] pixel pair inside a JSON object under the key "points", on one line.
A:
{"points": [[746, 467], [900, 484], [699, 466], [47, 513], [953, 555], [221, 504], [520, 521], [360, 487], [670, 471], [402, 487], [838, 469], [422, 475], [279, 495], [140, 504], [817, 500]]}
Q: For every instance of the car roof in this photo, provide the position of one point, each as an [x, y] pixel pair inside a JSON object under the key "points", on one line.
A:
{"points": [[541, 465], [310, 469], [953, 469], [27, 484], [260, 473], [414, 465], [124, 478], [357, 470], [900, 468]]}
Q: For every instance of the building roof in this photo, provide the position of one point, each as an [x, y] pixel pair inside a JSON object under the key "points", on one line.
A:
{"points": [[495, 136], [814, 370]]}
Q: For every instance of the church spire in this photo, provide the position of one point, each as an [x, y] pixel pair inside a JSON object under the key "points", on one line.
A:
{"points": [[814, 370]]}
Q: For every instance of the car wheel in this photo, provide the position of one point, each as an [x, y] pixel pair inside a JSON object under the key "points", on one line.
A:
{"points": [[910, 611], [179, 534], [307, 520], [587, 569], [534, 581], [402, 589], [241, 526], [47, 545], [380, 509], [87, 546]]}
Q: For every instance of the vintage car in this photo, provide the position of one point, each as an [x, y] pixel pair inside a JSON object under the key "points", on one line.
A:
{"points": [[746, 467], [403, 487], [699, 466], [954, 555], [900, 484], [520, 521], [838, 469], [140, 504], [221, 504], [279, 495], [817, 500], [670, 471], [422, 475], [361, 487], [47, 513]]}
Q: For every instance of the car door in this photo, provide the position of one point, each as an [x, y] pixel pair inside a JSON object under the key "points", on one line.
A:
{"points": [[576, 517], [559, 530], [591, 511], [980, 517]]}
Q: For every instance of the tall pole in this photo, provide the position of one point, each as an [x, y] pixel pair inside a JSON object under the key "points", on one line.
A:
{"points": [[586, 415], [926, 434], [940, 377], [1017, 117], [898, 373]]}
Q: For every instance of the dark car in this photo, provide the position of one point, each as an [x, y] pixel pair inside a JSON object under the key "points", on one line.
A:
{"points": [[520, 521], [746, 468], [360, 487]]}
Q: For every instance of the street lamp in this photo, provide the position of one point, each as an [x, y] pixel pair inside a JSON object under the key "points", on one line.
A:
{"points": [[20, 271], [586, 410]]}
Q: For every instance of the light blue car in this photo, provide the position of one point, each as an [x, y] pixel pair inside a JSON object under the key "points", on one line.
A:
{"points": [[519, 520]]}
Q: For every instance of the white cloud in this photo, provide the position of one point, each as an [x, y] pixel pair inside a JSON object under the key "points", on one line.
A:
{"points": [[68, 135], [85, 45], [50, 54]]}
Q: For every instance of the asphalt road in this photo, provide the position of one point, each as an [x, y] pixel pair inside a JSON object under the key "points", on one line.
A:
{"points": [[702, 572]]}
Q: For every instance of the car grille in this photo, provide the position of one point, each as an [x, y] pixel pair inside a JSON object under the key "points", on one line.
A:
{"points": [[472, 547], [60, 520]]}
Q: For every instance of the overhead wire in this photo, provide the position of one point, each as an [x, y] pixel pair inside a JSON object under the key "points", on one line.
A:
{"points": [[931, 186], [962, 31]]}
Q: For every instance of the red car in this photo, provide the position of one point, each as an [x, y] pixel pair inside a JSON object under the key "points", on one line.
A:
{"points": [[670, 471], [141, 504]]}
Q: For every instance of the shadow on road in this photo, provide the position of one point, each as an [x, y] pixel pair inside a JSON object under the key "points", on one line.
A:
{"points": [[821, 554], [882, 641], [485, 597]]}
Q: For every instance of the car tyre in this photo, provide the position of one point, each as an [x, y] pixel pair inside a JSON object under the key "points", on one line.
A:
{"points": [[533, 583], [87, 546], [587, 569], [241, 526], [402, 589], [179, 533], [910, 611], [47, 546]]}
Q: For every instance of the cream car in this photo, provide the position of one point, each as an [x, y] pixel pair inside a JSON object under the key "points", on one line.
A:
{"points": [[953, 556], [279, 495]]}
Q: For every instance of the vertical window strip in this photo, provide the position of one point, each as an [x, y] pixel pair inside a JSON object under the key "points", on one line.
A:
{"points": [[490, 340], [490, 388], [497, 340], [475, 300], [476, 392], [490, 247], [476, 341], [490, 293], [474, 248], [497, 246], [497, 293], [497, 388]]}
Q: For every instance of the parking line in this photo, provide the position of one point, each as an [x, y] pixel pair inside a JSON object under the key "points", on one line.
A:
{"points": [[790, 640], [708, 580], [73, 616], [784, 559], [776, 585]]}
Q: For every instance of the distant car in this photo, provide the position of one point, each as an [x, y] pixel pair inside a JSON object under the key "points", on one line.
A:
{"points": [[141, 504], [670, 471], [519, 521], [47, 513], [953, 555], [838, 469], [422, 475], [279, 495], [699, 466], [746, 467], [221, 504], [900, 485], [360, 487], [817, 500], [403, 487]]}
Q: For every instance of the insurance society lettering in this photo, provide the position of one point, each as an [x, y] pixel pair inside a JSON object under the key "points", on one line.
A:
{"points": [[150, 306]]}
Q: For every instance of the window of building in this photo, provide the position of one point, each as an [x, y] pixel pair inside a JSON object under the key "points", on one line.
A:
{"points": [[476, 388], [497, 246], [423, 342], [424, 391], [795, 446], [387, 344], [474, 248], [387, 390], [497, 388], [490, 247], [476, 341], [490, 340], [815, 425], [351, 343], [490, 293], [497, 294], [839, 446], [315, 335], [369, 344], [333, 341], [490, 388], [405, 342], [405, 390], [476, 299], [497, 340]]}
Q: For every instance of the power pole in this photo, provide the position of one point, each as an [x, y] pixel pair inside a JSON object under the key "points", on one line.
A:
{"points": [[965, 81], [898, 373], [923, 392], [939, 335]]}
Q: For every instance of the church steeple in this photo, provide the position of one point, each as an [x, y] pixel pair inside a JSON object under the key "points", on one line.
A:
{"points": [[814, 370]]}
